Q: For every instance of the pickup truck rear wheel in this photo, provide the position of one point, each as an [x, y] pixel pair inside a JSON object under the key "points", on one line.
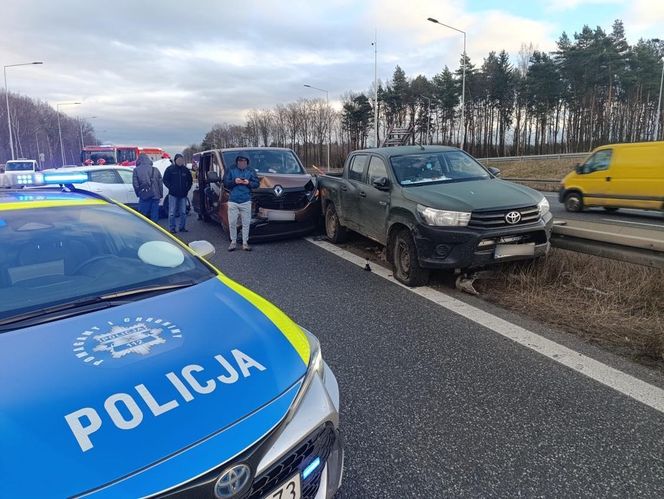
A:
{"points": [[407, 268], [334, 231]]}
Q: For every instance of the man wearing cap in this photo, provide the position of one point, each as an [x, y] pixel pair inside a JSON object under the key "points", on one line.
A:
{"points": [[240, 179]]}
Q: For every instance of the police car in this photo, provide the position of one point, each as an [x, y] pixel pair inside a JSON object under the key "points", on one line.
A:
{"points": [[131, 367]]}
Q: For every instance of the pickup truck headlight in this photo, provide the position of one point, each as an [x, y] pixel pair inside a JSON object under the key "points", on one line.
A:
{"points": [[543, 207], [442, 218]]}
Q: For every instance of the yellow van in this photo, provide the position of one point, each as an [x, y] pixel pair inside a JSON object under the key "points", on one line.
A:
{"points": [[617, 176]]}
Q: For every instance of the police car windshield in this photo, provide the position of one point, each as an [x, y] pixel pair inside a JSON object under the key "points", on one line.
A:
{"points": [[267, 161], [447, 166], [60, 254], [19, 166]]}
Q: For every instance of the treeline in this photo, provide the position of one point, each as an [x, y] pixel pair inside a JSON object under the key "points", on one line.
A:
{"points": [[35, 131], [593, 89]]}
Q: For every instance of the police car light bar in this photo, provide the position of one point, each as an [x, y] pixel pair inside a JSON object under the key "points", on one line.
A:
{"points": [[65, 178]]}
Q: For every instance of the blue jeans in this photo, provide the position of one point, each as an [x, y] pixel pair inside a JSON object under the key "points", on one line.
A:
{"points": [[149, 208], [177, 207]]}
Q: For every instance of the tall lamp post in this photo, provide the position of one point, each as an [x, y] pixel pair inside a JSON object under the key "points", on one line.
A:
{"points": [[463, 79], [428, 117], [329, 121], [80, 127], [375, 46], [57, 108], [9, 120], [659, 103]]}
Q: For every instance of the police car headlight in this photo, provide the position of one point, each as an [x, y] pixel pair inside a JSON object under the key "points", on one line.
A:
{"points": [[315, 368], [543, 207]]}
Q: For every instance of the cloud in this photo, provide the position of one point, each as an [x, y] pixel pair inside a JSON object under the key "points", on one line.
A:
{"points": [[646, 17], [566, 5], [163, 75]]}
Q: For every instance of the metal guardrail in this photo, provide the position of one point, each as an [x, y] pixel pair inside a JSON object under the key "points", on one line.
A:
{"points": [[623, 247], [504, 159], [536, 180]]}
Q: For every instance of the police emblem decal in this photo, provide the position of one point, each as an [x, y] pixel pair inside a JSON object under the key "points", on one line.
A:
{"points": [[137, 335]]}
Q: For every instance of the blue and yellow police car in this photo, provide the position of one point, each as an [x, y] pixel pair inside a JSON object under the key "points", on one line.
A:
{"points": [[131, 367]]}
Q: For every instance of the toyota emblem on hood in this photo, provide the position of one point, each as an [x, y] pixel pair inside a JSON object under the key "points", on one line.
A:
{"points": [[233, 482], [278, 190], [513, 217]]}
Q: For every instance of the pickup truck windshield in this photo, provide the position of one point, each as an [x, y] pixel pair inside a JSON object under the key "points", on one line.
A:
{"points": [[19, 166], [446, 166], [266, 161]]}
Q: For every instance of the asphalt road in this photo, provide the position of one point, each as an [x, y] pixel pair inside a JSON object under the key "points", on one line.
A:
{"points": [[651, 220], [434, 405]]}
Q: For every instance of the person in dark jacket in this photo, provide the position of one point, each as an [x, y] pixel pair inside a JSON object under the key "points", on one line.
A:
{"points": [[178, 180], [240, 179], [148, 186]]}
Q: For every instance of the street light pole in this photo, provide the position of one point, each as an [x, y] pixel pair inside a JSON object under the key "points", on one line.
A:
{"points": [[329, 122], [57, 108], [80, 126], [659, 103], [375, 44], [428, 117], [463, 81], [9, 120]]}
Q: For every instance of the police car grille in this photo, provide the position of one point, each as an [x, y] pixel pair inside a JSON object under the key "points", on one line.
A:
{"points": [[496, 219], [318, 444], [287, 201]]}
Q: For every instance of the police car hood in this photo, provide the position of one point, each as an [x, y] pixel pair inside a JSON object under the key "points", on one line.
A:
{"points": [[88, 400]]}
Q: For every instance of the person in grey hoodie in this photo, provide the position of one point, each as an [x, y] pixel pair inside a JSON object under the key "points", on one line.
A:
{"points": [[148, 186]]}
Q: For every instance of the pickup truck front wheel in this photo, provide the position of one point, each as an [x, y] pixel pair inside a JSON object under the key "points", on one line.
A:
{"points": [[407, 268], [334, 231]]}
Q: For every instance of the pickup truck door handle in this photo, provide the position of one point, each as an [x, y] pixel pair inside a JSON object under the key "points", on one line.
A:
{"points": [[363, 194], [344, 188]]}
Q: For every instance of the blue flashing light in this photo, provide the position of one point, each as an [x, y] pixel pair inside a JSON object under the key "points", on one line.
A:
{"points": [[311, 468], [65, 178]]}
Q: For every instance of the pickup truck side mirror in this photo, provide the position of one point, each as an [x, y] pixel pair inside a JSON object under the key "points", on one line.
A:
{"points": [[382, 184], [213, 177], [494, 171]]}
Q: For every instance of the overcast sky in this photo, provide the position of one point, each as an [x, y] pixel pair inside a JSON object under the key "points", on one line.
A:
{"points": [[163, 72]]}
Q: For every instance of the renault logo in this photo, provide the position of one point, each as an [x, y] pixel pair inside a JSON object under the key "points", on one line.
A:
{"points": [[233, 482], [278, 190], [513, 217]]}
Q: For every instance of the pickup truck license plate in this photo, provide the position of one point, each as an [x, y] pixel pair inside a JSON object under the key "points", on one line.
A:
{"points": [[288, 490], [277, 215], [508, 250]]}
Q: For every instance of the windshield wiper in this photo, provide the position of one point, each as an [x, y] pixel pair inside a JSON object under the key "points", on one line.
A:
{"points": [[146, 289], [74, 307]]}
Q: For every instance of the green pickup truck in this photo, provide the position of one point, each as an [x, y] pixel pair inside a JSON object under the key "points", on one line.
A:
{"points": [[434, 207]]}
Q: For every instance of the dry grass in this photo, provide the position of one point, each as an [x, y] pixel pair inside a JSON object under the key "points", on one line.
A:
{"points": [[548, 169], [616, 305]]}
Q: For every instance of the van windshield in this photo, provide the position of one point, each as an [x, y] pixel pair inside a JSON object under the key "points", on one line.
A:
{"points": [[267, 161], [19, 166], [445, 166]]}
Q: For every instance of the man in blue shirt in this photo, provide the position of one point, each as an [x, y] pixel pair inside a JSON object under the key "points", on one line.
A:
{"points": [[240, 179]]}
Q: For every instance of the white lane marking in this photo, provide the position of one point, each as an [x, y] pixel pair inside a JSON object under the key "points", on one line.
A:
{"points": [[624, 383], [633, 223]]}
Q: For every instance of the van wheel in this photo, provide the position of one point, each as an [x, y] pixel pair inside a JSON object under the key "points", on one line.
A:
{"points": [[574, 202], [334, 231], [611, 209], [407, 268]]}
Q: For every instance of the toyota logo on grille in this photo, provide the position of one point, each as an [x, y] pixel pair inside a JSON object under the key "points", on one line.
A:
{"points": [[513, 217], [233, 482], [278, 190]]}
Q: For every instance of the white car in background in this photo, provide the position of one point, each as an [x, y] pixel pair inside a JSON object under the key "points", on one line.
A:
{"points": [[115, 182]]}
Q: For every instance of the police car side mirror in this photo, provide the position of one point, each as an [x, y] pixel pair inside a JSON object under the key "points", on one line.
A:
{"points": [[204, 249], [494, 171]]}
